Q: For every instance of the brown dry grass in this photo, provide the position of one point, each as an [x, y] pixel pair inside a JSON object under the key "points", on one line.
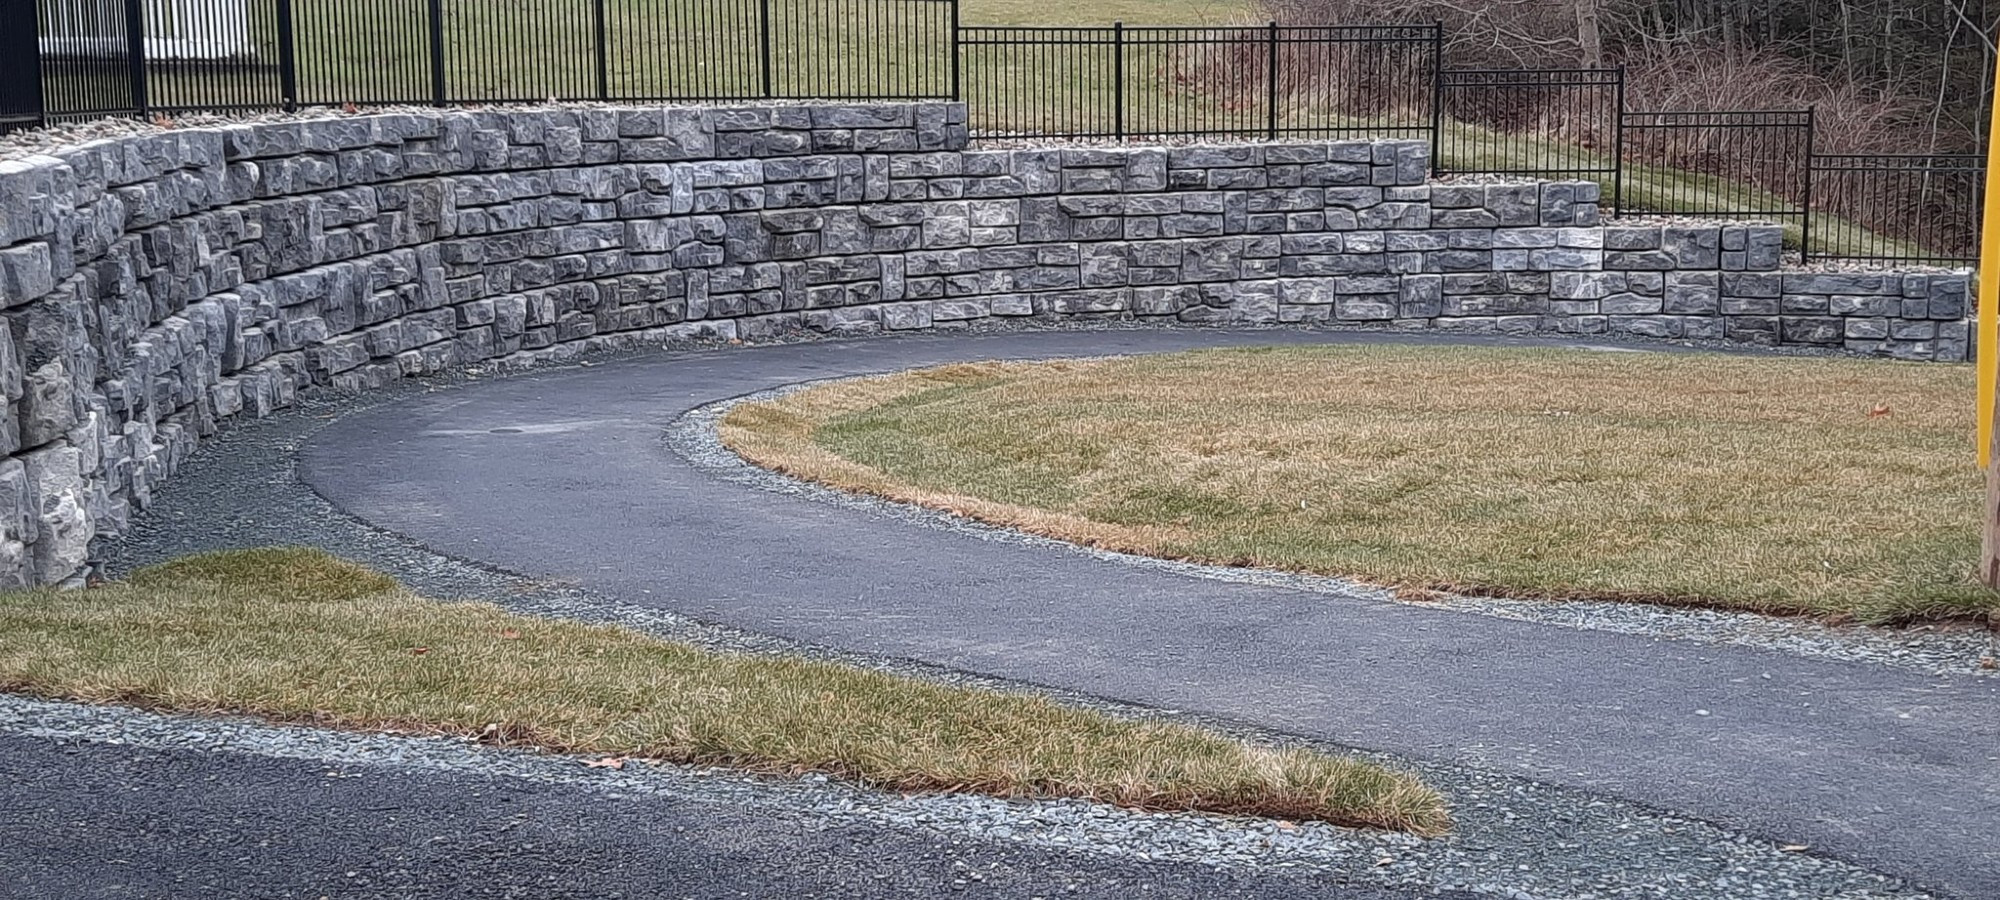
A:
{"points": [[297, 635], [1833, 487]]}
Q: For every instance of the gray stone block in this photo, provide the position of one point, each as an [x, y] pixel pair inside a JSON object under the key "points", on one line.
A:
{"points": [[27, 273], [1811, 330], [1876, 306], [1698, 248], [1631, 304], [1514, 205], [1633, 238]]}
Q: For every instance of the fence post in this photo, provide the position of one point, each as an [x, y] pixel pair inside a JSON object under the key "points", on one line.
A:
{"points": [[288, 57], [598, 35], [135, 55], [1618, 148], [437, 52], [1118, 78], [1437, 98], [1806, 208], [1271, 88], [21, 71], [764, 41], [957, 49]]}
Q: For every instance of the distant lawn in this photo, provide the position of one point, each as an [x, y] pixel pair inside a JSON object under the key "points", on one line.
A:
{"points": [[300, 636], [1830, 487], [1105, 12]]}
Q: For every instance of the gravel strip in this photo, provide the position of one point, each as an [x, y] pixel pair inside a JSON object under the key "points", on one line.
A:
{"points": [[1515, 838], [1935, 649]]}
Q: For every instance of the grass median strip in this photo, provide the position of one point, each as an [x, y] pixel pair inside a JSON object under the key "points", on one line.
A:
{"points": [[299, 636], [1833, 487]]}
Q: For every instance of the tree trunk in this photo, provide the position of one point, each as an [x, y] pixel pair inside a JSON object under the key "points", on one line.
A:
{"points": [[1588, 36]]}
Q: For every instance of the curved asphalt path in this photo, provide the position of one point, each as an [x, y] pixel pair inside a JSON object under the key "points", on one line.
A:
{"points": [[564, 475]]}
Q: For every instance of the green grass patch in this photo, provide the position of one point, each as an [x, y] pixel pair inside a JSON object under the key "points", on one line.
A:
{"points": [[1828, 487], [300, 636]]}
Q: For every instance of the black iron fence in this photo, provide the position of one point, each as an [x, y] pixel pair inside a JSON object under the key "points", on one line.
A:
{"points": [[92, 58], [148, 57], [1897, 208], [1541, 123], [1264, 82]]}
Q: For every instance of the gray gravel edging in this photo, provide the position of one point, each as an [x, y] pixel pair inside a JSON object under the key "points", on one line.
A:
{"points": [[693, 436]]}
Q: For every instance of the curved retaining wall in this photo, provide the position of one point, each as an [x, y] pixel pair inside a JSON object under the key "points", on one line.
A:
{"points": [[155, 285]]}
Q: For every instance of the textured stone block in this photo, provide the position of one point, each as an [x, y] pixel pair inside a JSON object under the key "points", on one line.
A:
{"points": [[27, 272], [1812, 330]]}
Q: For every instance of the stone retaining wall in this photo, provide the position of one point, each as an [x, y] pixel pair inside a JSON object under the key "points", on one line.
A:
{"points": [[156, 285]]}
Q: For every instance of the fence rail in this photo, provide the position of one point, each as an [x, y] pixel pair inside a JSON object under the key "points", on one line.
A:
{"points": [[92, 58]]}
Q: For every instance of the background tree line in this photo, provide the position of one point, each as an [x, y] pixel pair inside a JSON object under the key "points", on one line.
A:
{"points": [[1879, 71]]}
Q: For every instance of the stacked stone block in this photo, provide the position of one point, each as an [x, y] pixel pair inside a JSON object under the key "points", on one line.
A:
{"points": [[156, 285]]}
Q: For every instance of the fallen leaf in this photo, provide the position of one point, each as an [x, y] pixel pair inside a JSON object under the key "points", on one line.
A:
{"points": [[419, 651], [1288, 826], [1988, 662], [510, 634], [349, 108], [1880, 410]]}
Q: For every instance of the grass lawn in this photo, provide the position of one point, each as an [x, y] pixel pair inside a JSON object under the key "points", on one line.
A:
{"points": [[299, 636], [1830, 487], [1105, 12]]}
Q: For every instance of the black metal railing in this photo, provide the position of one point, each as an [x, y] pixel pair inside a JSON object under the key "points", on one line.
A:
{"points": [[1542, 123], [1267, 81], [92, 58], [1731, 165], [133, 57], [1897, 208]]}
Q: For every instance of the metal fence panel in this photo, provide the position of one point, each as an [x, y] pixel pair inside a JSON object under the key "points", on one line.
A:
{"points": [[361, 51], [1540, 123], [519, 51], [861, 49], [1730, 165], [89, 62], [1041, 81], [685, 49], [1265, 81], [1897, 208], [212, 56]]}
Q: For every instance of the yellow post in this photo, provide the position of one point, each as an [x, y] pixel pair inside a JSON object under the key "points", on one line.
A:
{"points": [[1988, 338]]}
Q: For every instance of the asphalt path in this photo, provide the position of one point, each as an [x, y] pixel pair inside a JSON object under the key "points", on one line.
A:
{"points": [[94, 820], [564, 474]]}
